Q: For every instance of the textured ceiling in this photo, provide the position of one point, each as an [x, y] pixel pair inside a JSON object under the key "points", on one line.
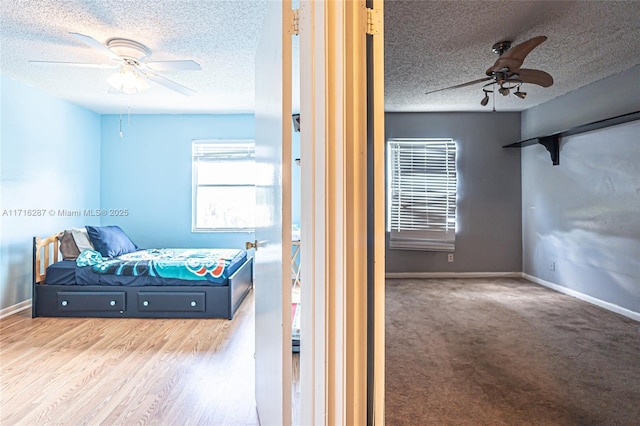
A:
{"points": [[428, 45], [222, 36], [435, 44]]}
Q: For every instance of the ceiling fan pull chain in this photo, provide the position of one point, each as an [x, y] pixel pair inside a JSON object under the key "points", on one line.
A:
{"points": [[494, 101]]}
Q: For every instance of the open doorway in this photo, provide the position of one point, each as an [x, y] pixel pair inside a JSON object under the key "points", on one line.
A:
{"points": [[296, 220]]}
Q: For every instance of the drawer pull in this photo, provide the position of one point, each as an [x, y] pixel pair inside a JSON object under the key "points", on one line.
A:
{"points": [[145, 303], [64, 303], [112, 303], [193, 303]]}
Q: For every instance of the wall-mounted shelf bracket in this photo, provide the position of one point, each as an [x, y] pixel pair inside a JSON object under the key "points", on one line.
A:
{"points": [[552, 142]]}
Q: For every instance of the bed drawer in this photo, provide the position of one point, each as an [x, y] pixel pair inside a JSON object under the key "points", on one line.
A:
{"points": [[83, 301], [171, 301]]}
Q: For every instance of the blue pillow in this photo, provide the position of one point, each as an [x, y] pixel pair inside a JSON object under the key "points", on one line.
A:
{"points": [[110, 241]]}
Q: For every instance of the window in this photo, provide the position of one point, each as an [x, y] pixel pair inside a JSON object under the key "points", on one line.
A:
{"points": [[224, 193], [421, 191]]}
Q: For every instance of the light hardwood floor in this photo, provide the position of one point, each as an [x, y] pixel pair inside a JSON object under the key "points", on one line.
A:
{"points": [[128, 371]]}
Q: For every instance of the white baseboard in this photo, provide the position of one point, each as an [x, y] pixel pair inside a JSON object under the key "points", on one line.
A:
{"points": [[25, 304], [606, 305], [418, 275]]}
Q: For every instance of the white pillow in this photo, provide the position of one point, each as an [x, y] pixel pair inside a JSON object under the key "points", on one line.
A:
{"points": [[81, 237]]}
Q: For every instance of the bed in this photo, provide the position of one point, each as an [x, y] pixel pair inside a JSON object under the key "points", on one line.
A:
{"points": [[137, 283]]}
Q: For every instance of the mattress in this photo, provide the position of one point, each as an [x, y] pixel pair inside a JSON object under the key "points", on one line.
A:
{"points": [[67, 272]]}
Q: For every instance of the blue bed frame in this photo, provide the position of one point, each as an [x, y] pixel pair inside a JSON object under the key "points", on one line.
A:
{"points": [[220, 301]]}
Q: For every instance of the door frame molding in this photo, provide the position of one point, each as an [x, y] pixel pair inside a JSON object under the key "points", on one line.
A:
{"points": [[333, 107]]}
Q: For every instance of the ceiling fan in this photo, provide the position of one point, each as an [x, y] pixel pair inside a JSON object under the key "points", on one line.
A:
{"points": [[134, 68], [505, 75]]}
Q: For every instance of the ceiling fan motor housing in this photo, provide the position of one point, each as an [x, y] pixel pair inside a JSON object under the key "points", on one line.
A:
{"points": [[129, 49], [501, 47]]}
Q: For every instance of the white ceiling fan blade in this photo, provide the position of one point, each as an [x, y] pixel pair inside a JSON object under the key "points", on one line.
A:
{"points": [[170, 84], [183, 65], [92, 42], [457, 86], [76, 64]]}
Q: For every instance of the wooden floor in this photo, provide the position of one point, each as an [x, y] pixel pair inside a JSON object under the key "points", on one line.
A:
{"points": [[76, 371]]}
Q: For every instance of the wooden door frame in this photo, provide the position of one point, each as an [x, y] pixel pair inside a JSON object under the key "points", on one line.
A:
{"points": [[333, 108], [377, 227]]}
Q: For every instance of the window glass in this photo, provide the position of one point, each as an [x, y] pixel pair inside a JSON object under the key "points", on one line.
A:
{"points": [[224, 192]]}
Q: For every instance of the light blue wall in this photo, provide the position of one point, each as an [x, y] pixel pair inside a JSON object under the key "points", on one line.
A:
{"points": [[50, 160], [148, 172], [581, 219]]}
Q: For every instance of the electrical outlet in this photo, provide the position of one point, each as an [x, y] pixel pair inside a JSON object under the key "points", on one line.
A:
{"points": [[450, 257], [552, 267]]}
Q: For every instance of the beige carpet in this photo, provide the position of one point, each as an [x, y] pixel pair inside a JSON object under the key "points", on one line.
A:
{"points": [[506, 352]]}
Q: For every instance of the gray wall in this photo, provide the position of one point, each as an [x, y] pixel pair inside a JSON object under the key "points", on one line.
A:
{"points": [[584, 214], [488, 235]]}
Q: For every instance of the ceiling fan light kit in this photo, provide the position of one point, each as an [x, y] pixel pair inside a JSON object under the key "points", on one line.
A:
{"points": [[505, 75], [520, 94], [129, 80]]}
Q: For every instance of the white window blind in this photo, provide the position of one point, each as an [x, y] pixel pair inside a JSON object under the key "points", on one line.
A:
{"points": [[421, 190], [224, 193]]}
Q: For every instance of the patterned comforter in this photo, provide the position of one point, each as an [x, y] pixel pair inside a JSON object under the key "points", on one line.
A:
{"points": [[184, 264]]}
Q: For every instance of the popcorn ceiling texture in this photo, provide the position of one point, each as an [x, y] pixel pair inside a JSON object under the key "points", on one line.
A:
{"points": [[222, 36], [428, 45], [435, 44]]}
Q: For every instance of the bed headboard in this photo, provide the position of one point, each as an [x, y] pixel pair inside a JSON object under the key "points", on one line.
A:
{"points": [[45, 252]]}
